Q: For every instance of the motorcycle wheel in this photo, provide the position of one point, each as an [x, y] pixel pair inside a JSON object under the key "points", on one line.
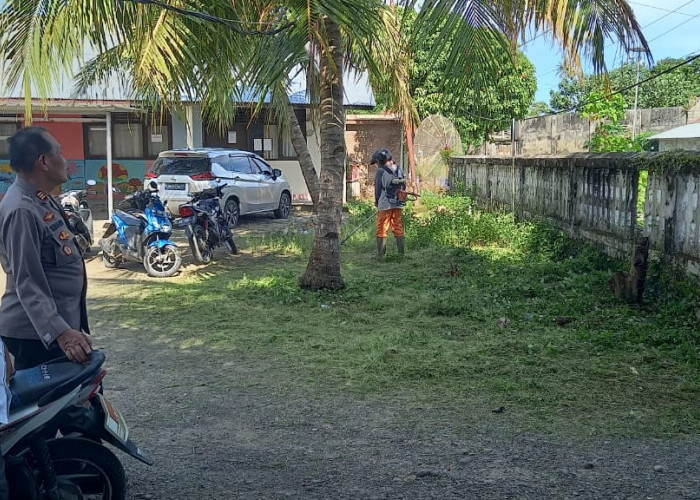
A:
{"points": [[199, 245], [86, 469], [231, 245], [162, 262], [109, 262]]}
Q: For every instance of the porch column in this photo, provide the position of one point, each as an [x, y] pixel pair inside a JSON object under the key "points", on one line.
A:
{"points": [[110, 193]]}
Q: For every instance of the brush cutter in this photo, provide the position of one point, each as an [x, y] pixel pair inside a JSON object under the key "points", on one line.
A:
{"points": [[402, 196]]}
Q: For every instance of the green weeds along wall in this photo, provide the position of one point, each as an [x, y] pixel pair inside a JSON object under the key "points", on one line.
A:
{"points": [[599, 197]]}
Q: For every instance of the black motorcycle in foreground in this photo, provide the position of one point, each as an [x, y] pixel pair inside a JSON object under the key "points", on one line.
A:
{"points": [[205, 224], [61, 396]]}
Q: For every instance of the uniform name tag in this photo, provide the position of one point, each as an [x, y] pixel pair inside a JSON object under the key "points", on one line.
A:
{"points": [[56, 225]]}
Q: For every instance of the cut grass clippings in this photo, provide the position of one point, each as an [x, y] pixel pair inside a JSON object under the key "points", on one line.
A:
{"points": [[465, 321]]}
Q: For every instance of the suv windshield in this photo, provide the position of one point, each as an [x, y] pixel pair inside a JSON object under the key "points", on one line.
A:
{"points": [[181, 165]]}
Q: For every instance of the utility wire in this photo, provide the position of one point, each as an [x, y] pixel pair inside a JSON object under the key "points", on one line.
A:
{"points": [[229, 23], [690, 59], [669, 12], [674, 28], [541, 34], [659, 8]]}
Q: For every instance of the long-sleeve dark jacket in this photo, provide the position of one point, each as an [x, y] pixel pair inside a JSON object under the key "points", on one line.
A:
{"points": [[385, 192], [46, 281]]}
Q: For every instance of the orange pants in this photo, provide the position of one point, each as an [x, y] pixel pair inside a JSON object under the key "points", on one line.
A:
{"points": [[391, 217]]}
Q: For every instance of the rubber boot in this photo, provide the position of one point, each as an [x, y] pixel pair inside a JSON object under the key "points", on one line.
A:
{"points": [[400, 244], [381, 247]]}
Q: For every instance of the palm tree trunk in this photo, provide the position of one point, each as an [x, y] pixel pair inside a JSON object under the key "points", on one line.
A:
{"points": [[305, 162], [323, 270]]}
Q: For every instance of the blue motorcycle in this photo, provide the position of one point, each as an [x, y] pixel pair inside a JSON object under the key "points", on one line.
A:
{"points": [[140, 231]]}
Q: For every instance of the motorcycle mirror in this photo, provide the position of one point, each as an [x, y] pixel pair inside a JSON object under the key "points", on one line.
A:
{"points": [[91, 182], [153, 185]]}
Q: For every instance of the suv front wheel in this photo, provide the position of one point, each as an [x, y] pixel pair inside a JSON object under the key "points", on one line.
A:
{"points": [[232, 212]]}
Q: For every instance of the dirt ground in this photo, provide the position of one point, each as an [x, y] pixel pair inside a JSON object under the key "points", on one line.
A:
{"points": [[225, 427]]}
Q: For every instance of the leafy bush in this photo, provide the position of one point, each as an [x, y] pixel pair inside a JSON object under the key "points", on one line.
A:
{"points": [[359, 210]]}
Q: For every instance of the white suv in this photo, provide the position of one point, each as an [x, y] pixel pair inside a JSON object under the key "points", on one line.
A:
{"points": [[252, 185]]}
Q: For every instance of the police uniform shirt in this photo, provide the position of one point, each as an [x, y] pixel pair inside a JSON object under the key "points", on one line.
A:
{"points": [[46, 282]]}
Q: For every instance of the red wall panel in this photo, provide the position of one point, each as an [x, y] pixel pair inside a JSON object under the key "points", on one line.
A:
{"points": [[68, 134]]}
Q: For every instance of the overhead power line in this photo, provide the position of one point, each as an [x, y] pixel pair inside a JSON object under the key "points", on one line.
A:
{"points": [[669, 12], [674, 28], [660, 8], [690, 59], [234, 25]]}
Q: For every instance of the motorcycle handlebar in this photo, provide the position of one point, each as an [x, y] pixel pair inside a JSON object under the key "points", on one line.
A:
{"points": [[205, 194]]}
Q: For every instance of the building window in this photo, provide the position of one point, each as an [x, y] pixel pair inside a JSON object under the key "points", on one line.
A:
{"points": [[277, 146], [7, 130], [96, 141], [158, 139], [133, 136], [128, 140]]}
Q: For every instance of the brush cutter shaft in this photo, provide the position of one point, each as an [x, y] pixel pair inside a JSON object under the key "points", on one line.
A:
{"points": [[359, 226]]}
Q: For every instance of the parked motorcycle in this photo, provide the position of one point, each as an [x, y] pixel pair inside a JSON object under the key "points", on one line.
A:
{"points": [[74, 203], [61, 396], [205, 225], [140, 231]]}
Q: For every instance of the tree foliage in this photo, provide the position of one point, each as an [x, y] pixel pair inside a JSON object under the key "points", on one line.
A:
{"points": [[171, 56], [611, 136], [486, 104], [539, 108], [676, 88]]}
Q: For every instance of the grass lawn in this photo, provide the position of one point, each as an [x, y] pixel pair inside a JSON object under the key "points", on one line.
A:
{"points": [[466, 321]]}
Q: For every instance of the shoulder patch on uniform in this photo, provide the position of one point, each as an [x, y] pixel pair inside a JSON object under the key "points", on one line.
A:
{"points": [[42, 196], [67, 250], [63, 235], [56, 225], [49, 216]]}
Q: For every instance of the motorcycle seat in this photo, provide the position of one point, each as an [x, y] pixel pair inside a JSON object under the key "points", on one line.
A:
{"points": [[130, 219], [49, 381]]}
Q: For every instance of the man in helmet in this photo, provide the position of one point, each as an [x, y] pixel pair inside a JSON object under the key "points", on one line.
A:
{"points": [[387, 182]]}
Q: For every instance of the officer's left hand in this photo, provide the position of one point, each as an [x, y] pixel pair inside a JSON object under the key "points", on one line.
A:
{"points": [[77, 345]]}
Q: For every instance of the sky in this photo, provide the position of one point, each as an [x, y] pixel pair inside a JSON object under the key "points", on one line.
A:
{"points": [[672, 28]]}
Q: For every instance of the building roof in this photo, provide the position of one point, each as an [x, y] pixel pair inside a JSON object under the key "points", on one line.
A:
{"points": [[357, 91], [689, 131]]}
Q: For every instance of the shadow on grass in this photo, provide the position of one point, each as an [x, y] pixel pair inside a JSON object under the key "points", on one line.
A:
{"points": [[465, 328]]}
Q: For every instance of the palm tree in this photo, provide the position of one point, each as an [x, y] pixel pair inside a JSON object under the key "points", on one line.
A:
{"points": [[170, 54]]}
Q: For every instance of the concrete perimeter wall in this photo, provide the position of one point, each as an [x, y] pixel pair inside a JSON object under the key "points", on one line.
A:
{"points": [[594, 197]]}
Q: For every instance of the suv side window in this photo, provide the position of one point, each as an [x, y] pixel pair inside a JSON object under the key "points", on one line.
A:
{"points": [[240, 164], [263, 167]]}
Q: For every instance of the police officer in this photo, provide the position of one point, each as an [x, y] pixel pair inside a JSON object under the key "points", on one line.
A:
{"points": [[43, 313], [387, 182]]}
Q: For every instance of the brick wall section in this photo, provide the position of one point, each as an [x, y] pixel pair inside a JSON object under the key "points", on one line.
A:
{"points": [[593, 197], [364, 134]]}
